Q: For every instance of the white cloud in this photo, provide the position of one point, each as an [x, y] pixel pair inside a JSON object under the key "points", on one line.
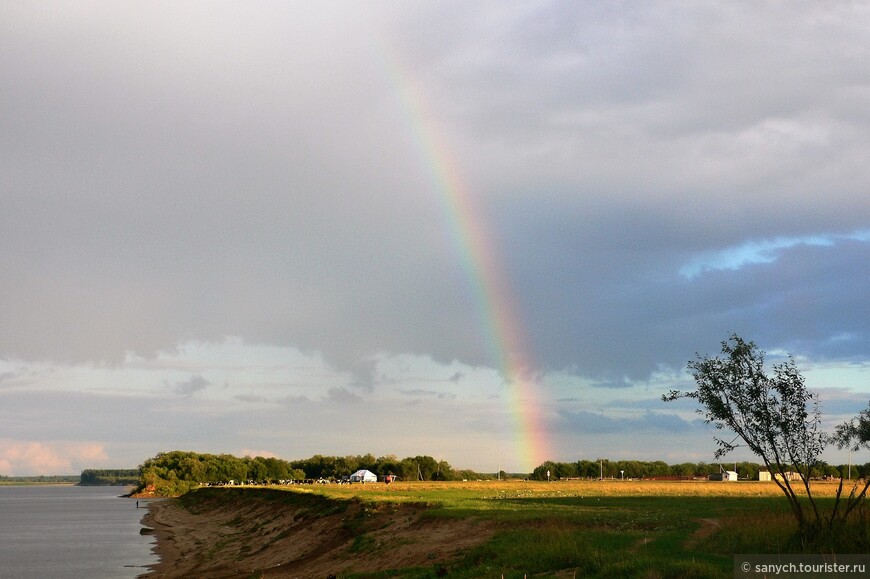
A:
{"points": [[25, 458]]}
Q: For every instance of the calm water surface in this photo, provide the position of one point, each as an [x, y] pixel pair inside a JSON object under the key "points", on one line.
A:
{"points": [[71, 532]]}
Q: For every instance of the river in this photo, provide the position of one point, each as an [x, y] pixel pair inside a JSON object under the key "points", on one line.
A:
{"points": [[71, 532]]}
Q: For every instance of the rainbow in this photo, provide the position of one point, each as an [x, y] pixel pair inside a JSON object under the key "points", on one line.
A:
{"points": [[470, 234]]}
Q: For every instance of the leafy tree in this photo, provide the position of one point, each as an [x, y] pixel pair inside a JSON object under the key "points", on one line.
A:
{"points": [[540, 473], [607, 468], [257, 470], [389, 464], [659, 468], [444, 472], [565, 470], [346, 465], [776, 417], [747, 470], [587, 469], [278, 469], [296, 474], [426, 467], [367, 461], [854, 435], [122, 476], [684, 469]]}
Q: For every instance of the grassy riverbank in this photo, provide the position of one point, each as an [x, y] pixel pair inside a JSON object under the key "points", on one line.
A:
{"points": [[491, 528]]}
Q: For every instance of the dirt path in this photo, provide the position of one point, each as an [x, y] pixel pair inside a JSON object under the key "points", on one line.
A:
{"points": [[246, 536], [707, 528]]}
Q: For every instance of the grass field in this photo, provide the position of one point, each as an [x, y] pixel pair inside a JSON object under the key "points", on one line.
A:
{"points": [[603, 528]]}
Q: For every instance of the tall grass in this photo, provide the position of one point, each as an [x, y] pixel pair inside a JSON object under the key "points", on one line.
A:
{"points": [[775, 531]]}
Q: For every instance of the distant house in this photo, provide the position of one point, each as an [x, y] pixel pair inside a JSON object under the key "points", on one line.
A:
{"points": [[763, 475], [363, 476], [788, 476], [728, 475]]}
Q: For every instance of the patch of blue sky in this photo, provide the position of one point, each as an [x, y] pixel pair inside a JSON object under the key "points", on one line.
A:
{"points": [[762, 251]]}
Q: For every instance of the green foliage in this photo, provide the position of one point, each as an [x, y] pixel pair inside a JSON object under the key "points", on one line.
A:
{"points": [[410, 468], [540, 472], [176, 472], [467, 474], [778, 419], [775, 416], [108, 477], [855, 433], [639, 469], [363, 544]]}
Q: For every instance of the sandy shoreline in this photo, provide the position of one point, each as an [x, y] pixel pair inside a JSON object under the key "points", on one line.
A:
{"points": [[164, 546], [243, 534]]}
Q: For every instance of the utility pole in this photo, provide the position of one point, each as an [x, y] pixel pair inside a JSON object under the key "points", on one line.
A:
{"points": [[850, 464]]}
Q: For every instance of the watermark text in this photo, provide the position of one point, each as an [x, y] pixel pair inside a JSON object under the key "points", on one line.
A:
{"points": [[801, 566]]}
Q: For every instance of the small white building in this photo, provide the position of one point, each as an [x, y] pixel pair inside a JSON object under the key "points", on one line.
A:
{"points": [[363, 476], [728, 475], [764, 475]]}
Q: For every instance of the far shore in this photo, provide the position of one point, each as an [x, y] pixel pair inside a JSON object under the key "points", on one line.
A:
{"points": [[37, 484]]}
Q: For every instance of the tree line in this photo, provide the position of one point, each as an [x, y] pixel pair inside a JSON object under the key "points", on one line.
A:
{"points": [[109, 477], [409, 468], [604, 468], [176, 472], [38, 479]]}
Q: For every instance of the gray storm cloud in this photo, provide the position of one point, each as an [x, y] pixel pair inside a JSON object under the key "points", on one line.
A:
{"points": [[210, 170]]}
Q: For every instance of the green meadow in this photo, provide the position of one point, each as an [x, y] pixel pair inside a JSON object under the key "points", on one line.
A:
{"points": [[598, 529]]}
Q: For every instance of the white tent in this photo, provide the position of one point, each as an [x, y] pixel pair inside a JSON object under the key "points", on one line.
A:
{"points": [[364, 476]]}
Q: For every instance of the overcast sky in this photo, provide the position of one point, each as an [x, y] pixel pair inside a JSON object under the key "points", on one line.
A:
{"points": [[275, 228]]}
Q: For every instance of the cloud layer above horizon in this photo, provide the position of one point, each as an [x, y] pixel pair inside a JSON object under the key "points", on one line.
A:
{"points": [[222, 226]]}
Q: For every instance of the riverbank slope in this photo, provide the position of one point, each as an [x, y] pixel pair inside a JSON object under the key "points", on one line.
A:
{"points": [[225, 532]]}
